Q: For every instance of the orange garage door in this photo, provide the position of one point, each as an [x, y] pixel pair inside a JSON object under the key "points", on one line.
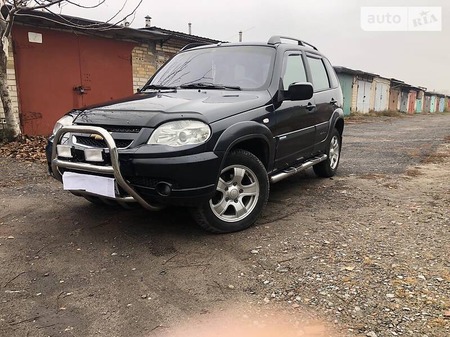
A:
{"points": [[57, 71]]}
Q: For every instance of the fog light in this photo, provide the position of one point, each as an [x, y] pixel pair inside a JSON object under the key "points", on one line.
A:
{"points": [[93, 155], [164, 189], [64, 151]]}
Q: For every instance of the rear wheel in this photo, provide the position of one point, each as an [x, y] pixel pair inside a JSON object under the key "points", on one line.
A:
{"points": [[329, 167], [241, 194]]}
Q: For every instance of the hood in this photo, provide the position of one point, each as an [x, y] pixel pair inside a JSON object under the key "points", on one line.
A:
{"points": [[153, 108]]}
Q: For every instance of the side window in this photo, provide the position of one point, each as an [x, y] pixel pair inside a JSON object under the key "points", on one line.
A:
{"points": [[319, 74], [331, 73], [294, 70]]}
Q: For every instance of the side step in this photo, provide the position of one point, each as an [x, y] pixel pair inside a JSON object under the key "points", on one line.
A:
{"points": [[294, 170]]}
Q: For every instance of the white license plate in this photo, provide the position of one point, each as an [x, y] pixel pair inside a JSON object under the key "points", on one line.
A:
{"points": [[102, 186]]}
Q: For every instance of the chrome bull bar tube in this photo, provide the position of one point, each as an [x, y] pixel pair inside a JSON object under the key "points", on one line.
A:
{"points": [[114, 169]]}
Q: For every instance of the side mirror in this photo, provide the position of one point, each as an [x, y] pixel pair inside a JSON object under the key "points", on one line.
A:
{"points": [[300, 91]]}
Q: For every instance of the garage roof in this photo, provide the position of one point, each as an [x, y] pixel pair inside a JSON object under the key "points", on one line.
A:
{"points": [[70, 23]]}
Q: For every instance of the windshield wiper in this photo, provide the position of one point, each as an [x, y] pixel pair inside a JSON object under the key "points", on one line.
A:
{"points": [[206, 85], [157, 87]]}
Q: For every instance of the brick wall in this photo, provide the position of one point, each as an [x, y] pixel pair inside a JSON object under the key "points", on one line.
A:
{"points": [[144, 66], [11, 73], [148, 58]]}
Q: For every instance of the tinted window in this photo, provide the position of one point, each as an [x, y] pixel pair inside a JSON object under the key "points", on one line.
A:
{"points": [[246, 67], [332, 74], [294, 70], [319, 74]]}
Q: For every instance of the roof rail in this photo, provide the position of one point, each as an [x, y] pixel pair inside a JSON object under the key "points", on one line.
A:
{"points": [[276, 39], [193, 45]]}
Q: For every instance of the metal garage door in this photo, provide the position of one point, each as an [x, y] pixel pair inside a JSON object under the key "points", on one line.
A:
{"points": [[347, 92], [57, 71], [412, 101], [363, 101], [381, 97]]}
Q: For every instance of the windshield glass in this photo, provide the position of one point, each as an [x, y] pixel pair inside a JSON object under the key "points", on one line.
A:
{"points": [[246, 67]]}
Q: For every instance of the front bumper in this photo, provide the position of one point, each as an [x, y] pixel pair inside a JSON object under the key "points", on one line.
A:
{"points": [[181, 180]]}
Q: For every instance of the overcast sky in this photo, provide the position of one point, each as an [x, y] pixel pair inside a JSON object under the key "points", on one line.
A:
{"points": [[334, 26]]}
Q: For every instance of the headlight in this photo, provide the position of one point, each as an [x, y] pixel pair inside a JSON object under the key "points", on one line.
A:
{"points": [[66, 120], [179, 133]]}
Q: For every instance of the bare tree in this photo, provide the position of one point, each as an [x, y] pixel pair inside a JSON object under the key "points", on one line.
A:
{"points": [[11, 9]]}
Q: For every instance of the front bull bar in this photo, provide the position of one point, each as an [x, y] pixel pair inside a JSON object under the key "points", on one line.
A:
{"points": [[114, 169]]}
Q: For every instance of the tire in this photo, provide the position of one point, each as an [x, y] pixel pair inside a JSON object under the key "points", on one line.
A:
{"points": [[328, 168], [242, 192]]}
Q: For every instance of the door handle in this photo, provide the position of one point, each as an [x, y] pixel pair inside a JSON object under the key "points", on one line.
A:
{"points": [[310, 107], [80, 89]]}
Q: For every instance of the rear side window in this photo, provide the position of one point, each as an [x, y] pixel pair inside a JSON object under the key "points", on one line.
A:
{"points": [[331, 73], [294, 70], [319, 74]]}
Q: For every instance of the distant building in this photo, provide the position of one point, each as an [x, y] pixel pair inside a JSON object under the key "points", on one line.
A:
{"points": [[420, 99], [364, 92], [434, 102], [442, 106], [358, 89]]}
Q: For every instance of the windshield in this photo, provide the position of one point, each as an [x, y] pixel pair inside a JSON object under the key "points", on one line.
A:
{"points": [[246, 67]]}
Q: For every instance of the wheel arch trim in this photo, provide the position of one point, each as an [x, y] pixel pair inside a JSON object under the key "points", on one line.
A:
{"points": [[242, 132], [337, 117]]}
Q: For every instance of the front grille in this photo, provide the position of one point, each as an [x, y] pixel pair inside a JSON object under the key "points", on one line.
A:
{"points": [[116, 128], [143, 181], [78, 157], [122, 129], [88, 141]]}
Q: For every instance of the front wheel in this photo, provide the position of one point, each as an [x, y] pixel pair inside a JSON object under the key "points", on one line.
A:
{"points": [[329, 167], [241, 194]]}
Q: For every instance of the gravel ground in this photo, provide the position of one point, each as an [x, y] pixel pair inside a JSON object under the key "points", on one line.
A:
{"points": [[367, 252]]}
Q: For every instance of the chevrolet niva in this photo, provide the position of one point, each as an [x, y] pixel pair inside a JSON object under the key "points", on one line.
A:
{"points": [[211, 130]]}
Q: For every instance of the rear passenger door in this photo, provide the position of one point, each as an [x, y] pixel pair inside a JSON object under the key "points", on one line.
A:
{"points": [[295, 127], [326, 93]]}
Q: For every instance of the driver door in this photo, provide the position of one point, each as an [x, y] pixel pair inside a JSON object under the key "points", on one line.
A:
{"points": [[295, 126]]}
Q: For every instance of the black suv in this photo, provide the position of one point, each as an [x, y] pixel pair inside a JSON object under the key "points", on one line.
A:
{"points": [[210, 130]]}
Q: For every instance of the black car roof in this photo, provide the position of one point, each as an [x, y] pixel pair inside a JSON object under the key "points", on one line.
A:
{"points": [[274, 42]]}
